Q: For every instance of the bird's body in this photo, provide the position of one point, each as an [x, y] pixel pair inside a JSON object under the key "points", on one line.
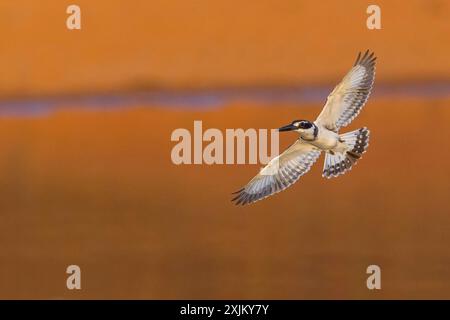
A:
{"points": [[326, 140], [341, 150]]}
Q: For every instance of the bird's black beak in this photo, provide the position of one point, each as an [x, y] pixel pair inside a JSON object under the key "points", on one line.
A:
{"points": [[289, 127]]}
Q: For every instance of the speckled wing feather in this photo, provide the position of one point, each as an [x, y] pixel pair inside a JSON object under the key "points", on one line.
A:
{"points": [[349, 96], [280, 173]]}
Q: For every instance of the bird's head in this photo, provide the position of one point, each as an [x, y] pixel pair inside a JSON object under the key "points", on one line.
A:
{"points": [[301, 126]]}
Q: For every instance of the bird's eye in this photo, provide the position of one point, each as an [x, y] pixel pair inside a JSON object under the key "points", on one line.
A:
{"points": [[305, 125]]}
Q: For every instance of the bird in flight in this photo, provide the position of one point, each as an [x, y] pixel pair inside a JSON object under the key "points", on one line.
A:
{"points": [[341, 150]]}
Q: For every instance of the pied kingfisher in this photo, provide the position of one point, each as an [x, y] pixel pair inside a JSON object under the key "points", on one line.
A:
{"points": [[341, 150]]}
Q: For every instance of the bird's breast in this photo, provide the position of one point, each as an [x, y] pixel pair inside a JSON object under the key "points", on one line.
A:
{"points": [[326, 140]]}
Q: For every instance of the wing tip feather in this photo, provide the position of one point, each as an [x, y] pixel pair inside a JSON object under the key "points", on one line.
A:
{"points": [[367, 60]]}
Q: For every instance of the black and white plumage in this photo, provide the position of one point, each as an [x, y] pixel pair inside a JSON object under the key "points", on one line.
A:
{"points": [[342, 150], [348, 97], [280, 173]]}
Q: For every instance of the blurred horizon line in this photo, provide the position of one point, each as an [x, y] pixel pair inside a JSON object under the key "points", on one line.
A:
{"points": [[200, 98]]}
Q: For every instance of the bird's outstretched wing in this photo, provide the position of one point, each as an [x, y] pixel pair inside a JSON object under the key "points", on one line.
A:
{"points": [[349, 96], [280, 173]]}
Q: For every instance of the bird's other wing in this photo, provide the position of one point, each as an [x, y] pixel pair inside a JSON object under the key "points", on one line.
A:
{"points": [[280, 173], [349, 96]]}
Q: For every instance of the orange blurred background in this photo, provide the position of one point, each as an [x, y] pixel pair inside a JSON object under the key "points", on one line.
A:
{"points": [[86, 176]]}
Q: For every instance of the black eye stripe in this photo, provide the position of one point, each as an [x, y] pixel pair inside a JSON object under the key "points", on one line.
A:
{"points": [[302, 124], [305, 125]]}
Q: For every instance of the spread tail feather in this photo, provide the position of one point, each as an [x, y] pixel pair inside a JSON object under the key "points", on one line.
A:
{"points": [[339, 163]]}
